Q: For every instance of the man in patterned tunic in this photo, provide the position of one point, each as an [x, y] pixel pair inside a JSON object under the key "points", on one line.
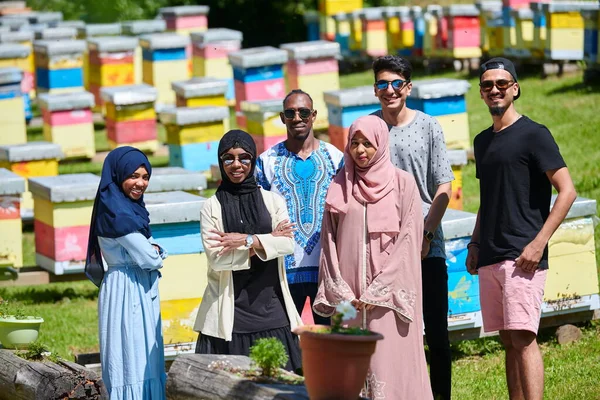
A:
{"points": [[300, 169]]}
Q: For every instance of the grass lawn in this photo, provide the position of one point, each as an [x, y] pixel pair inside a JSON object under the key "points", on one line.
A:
{"points": [[571, 112]]}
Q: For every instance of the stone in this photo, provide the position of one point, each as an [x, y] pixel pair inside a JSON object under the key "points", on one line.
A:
{"points": [[567, 334]]}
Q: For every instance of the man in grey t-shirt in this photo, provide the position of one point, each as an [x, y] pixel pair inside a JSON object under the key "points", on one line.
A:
{"points": [[417, 146]]}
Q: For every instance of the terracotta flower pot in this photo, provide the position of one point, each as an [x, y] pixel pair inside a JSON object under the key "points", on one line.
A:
{"points": [[335, 365]]}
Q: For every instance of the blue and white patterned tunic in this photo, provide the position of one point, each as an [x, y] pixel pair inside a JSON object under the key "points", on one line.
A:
{"points": [[303, 184]]}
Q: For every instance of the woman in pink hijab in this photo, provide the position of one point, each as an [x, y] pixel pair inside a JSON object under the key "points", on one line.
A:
{"points": [[371, 241]]}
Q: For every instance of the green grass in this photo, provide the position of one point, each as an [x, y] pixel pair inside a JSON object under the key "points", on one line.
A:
{"points": [[568, 108]]}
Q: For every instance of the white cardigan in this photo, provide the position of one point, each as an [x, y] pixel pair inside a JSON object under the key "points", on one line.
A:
{"points": [[216, 312]]}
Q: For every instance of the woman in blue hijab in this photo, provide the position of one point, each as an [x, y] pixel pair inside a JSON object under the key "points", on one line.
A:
{"points": [[131, 344]]}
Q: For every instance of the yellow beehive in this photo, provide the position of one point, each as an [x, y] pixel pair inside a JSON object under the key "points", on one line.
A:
{"points": [[12, 121], [194, 133], [458, 159], [11, 236], [355, 39], [456, 130], [331, 7], [392, 25], [137, 28], [263, 118], [134, 112], [211, 67]]}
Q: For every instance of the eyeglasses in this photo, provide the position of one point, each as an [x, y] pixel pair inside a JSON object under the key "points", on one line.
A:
{"points": [[396, 84], [290, 113], [229, 159], [501, 84]]}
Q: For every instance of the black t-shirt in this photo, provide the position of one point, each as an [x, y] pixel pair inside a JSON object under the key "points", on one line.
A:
{"points": [[515, 192]]}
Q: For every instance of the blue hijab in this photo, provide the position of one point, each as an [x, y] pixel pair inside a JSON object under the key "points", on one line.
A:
{"points": [[115, 214]]}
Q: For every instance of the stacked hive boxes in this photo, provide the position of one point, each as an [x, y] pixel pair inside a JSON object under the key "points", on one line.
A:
{"points": [[490, 16], [539, 30], [590, 39], [110, 63], [327, 8], [164, 62], [62, 211], [440, 49], [311, 20], [444, 99], [258, 75], [91, 31], [11, 235], [264, 122], [431, 31], [355, 40], [23, 38], [406, 37], [342, 32], [169, 179], [416, 15], [175, 224], [523, 18], [65, 33], [573, 245], [463, 288], [200, 92], [458, 159], [138, 28], [58, 66], [565, 33], [12, 107], [463, 31], [16, 55], [210, 50], [193, 135], [344, 107], [30, 160], [68, 122], [392, 27], [374, 35], [130, 116], [313, 67]]}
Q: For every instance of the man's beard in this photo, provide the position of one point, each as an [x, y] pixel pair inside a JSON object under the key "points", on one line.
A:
{"points": [[497, 110]]}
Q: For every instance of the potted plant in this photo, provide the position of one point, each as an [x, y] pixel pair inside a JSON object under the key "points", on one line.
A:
{"points": [[335, 359], [17, 330]]}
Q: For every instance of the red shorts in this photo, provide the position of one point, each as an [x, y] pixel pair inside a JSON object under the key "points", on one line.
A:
{"points": [[511, 299]]}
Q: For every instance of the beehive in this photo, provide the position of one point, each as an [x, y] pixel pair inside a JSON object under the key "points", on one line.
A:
{"points": [[11, 236]]}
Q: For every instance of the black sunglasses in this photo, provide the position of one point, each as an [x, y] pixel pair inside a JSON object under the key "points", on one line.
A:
{"points": [[229, 159], [290, 113], [396, 84], [501, 84]]}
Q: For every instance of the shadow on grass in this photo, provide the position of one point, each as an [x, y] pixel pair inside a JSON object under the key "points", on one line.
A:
{"points": [[579, 88], [51, 293]]}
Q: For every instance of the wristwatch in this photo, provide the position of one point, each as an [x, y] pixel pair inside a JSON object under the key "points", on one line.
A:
{"points": [[428, 235], [249, 241]]}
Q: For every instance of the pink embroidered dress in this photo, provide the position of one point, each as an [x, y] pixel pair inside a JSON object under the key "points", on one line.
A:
{"points": [[371, 251]]}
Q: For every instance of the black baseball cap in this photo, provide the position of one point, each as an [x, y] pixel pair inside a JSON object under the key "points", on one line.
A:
{"points": [[500, 63]]}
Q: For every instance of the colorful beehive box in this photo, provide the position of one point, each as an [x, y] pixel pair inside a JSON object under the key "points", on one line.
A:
{"points": [[111, 63], [331, 7], [169, 179], [464, 309], [200, 92], [93, 31], [440, 47], [14, 22], [463, 31], [12, 107], [164, 61], [539, 30], [175, 224], [416, 15], [431, 31], [313, 67], [565, 30], [264, 123], [68, 122], [193, 135], [342, 32], [344, 107], [130, 116], [258, 75], [444, 99], [311, 20], [488, 10], [30, 160], [326, 27], [58, 66], [62, 213], [572, 275], [392, 27], [458, 159], [406, 35], [185, 19], [210, 50], [17, 56], [138, 28], [374, 35], [523, 18], [11, 234], [65, 33], [355, 39], [23, 38], [591, 20]]}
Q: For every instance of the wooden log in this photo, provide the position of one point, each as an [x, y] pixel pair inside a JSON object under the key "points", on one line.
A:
{"points": [[191, 378], [25, 380]]}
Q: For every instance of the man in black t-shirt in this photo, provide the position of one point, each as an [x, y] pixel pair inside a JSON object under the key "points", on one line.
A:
{"points": [[517, 164]]}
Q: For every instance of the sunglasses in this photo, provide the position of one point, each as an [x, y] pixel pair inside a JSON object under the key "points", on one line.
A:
{"points": [[396, 84], [229, 159], [304, 113], [501, 84]]}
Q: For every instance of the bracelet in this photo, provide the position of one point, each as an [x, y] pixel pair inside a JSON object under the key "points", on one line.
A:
{"points": [[473, 244]]}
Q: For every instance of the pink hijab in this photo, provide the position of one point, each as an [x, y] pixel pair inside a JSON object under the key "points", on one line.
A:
{"points": [[373, 184]]}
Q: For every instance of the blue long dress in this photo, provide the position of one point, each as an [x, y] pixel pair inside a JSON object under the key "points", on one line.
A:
{"points": [[131, 343]]}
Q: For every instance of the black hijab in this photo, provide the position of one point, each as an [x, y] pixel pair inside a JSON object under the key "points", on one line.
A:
{"points": [[242, 206]]}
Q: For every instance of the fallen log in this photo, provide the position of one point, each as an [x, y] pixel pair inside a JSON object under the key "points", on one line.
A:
{"points": [[28, 380]]}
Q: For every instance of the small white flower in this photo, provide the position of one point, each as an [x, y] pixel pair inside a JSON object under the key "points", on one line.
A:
{"points": [[347, 310]]}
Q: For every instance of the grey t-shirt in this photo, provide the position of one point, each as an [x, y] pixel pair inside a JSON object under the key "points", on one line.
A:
{"points": [[419, 148]]}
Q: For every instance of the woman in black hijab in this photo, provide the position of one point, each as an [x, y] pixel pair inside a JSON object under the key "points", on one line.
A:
{"points": [[245, 232]]}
